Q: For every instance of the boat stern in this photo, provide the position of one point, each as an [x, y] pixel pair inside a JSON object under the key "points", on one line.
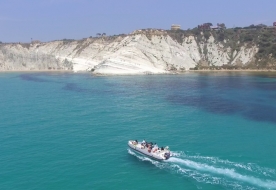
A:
{"points": [[167, 155]]}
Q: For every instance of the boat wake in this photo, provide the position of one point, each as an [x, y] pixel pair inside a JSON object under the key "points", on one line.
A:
{"points": [[212, 170]]}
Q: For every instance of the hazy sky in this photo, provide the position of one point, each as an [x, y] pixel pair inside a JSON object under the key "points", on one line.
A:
{"points": [[46, 20]]}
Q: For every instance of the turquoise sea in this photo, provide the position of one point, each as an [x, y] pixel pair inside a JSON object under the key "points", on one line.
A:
{"points": [[70, 131]]}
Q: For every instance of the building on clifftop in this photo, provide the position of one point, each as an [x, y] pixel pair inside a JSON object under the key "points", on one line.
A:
{"points": [[175, 27]]}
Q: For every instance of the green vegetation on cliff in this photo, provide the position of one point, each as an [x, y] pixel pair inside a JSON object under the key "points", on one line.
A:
{"points": [[234, 38]]}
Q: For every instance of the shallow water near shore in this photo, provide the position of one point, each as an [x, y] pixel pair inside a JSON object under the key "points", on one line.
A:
{"points": [[70, 131]]}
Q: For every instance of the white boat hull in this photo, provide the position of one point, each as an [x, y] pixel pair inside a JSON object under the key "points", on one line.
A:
{"points": [[152, 153]]}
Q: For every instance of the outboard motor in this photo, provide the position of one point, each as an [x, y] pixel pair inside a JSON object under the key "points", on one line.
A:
{"points": [[167, 155]]}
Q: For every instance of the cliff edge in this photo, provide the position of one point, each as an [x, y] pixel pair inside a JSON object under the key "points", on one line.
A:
{"points": [[147, 51]]}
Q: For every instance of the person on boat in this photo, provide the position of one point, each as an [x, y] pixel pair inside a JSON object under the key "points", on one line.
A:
{"points": [[154, 148], [143, 143]]}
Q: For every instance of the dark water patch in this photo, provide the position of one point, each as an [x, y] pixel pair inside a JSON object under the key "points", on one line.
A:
{"points": [[186, 85], [259, 112], [226, 82], [266, 75], [273, 96], [240, 82], [218, 105], [75, 88], [92, 91], [214, 83], [268, 86], [111, 85], [211, 104], [56, 77], [33, 78]]}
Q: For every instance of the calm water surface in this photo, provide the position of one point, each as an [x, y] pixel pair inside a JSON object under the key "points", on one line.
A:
{"points": [[70, 131]]}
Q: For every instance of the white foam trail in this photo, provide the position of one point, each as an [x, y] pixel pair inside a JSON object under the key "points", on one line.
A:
{"points": [[174, 164], [177, 154], [268, 172], [226, 172]]}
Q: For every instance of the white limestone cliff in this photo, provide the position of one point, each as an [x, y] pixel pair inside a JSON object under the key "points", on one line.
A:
{"points": [[136, 53]]}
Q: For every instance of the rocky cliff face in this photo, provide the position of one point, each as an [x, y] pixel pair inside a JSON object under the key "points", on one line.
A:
{"points": [[143, 51]]}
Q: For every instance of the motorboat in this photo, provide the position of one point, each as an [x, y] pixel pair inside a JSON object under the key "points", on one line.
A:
{"points": [[151, 150]]}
